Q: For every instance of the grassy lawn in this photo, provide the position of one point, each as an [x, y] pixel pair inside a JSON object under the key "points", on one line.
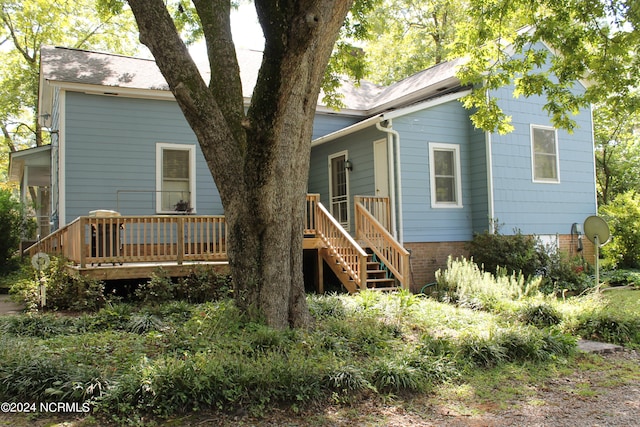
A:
{"points": [[178, 363], [159, 361]]}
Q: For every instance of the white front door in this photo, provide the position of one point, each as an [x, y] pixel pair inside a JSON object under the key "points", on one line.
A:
{"points": [[339, 188], [381, 168]]}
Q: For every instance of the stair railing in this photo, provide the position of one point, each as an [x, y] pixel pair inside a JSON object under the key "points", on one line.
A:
{"points": [[383, 244], [346, 250]]}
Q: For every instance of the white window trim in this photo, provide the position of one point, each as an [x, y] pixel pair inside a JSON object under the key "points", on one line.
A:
{"points": [[160, 146], [436, 146], [533, 156]]}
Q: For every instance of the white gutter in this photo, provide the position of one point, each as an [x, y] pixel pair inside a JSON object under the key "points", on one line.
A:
{"points": [[348, 130], [396, 176], [389, 115]]}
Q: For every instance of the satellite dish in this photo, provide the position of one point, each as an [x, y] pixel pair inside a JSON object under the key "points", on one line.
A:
{"points": [[596, 230]]}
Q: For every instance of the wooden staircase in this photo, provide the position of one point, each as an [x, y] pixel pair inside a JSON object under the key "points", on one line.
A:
{"points": [[378, 277], [383, 266]]}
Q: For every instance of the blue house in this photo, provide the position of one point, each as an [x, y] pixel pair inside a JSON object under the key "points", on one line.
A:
{"points": [[406, 155]]}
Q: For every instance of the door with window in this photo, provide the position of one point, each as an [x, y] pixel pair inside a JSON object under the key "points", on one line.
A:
{"points": [[339, 188]]}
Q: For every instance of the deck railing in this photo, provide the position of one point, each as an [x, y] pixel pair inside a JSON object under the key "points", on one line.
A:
{"points": [[382, 243], [128, 239], [94, 240], [378, 206]]}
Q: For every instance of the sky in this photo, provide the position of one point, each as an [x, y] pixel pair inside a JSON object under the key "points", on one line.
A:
{"points": [[245, 30]]}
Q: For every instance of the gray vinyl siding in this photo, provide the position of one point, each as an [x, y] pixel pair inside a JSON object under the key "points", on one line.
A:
{"points": [[445, 123], [110, 154], [541, 208]]}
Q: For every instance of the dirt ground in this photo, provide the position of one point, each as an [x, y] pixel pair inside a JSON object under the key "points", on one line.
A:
{"points": [[583, 399]]}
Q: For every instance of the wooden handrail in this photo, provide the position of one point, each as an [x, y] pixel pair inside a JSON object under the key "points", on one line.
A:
{"points": [[382, 243], [348, 253], [379, 207], [57, 243], [310, 215]]}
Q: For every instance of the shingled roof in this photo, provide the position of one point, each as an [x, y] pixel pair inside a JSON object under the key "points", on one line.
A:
{"points": [[110, 72]]}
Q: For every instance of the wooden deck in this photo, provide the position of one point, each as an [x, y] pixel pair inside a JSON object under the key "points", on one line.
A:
{"points": [[127, 247]]}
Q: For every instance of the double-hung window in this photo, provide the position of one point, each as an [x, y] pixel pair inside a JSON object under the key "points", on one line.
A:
{"points": [[445, 175], [544, 154], [175, 178]]}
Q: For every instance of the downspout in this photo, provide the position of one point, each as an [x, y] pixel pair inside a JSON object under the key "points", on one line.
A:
{"points": [[396, 177], [490, 202]]}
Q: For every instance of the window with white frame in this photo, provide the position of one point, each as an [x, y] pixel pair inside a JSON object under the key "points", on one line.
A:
{"points": [[175, 178], [445, 175], [544, 154]]}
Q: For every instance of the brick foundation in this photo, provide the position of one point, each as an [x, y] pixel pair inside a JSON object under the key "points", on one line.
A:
{"points": [[569, 244], [429, 257]]}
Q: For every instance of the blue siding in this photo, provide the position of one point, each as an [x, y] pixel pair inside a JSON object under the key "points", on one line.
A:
{"points": [[110, 149], [326, 123], [360, 151], [541, 208], [478, 179], [446, 123]]}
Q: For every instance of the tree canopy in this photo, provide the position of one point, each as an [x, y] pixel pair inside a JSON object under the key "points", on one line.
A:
{"points": [[594, 42], [27, 25]]}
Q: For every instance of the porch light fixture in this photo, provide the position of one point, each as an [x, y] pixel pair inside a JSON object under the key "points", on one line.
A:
{"points": [[348, 165]]}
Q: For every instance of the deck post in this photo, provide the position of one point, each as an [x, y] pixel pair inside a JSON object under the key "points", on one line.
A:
{"points": [[81, 242], [180, 236], [363, 272]]}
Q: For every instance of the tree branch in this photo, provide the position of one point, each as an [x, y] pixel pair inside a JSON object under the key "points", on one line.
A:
{"points": [[202, 108]]}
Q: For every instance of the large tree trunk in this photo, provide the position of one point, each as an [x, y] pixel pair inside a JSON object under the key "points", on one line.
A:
{"points": [[259, 161]]}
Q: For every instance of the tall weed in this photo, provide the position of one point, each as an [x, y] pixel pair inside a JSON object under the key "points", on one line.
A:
{"points": [[465, 284]]}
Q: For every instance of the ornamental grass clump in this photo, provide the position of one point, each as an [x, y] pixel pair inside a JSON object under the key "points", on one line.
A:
{"points": [[467, 285]]}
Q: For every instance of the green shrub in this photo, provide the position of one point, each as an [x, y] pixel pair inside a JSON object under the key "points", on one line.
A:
{"points": [[326, 306], [204, 284], [397, 375], [541, 315], [13, 227], [143, 323], [621, 328], [157, 290], [63, 290], [41, 325], [621, 277], [346, 381], [515, 254], [566, 274], [491, 348], [623, 216]]}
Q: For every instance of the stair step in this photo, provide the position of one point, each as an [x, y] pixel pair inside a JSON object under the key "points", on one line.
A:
{"points": [[375, 283]]}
